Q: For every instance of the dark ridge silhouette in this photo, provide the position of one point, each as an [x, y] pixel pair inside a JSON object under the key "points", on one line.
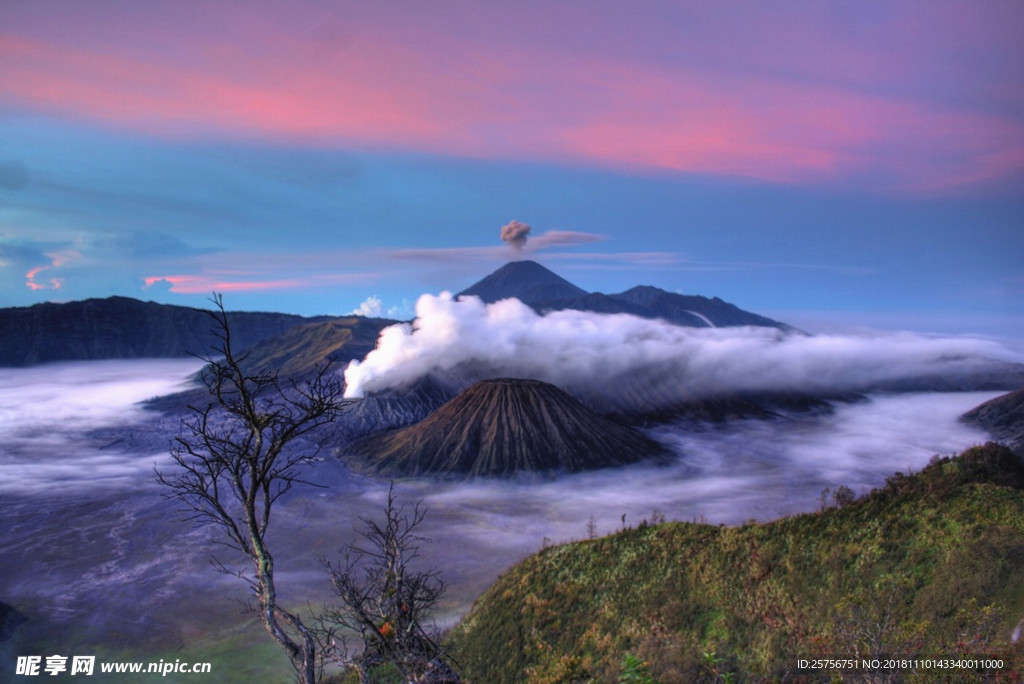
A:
{"points": [[527, 281], [502, 427], [125, 328], [122, 328], [1003, 417], [542, 290], [692, 309]]}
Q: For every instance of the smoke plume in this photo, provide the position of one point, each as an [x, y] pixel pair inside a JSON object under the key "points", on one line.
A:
{"points": [[515, 233], [624, 358]]}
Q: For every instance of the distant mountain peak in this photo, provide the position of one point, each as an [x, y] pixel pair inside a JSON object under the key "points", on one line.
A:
{"points": [[544, 290], [527, 281]]}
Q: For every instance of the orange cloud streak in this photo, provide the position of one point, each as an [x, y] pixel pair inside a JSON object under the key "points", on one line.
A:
{"points": [[30, 280], [57, 259], [202, 284], [242, 280]]}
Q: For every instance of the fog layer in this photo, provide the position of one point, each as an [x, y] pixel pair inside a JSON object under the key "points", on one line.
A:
{"points": [[47, 412], [100, 561]]}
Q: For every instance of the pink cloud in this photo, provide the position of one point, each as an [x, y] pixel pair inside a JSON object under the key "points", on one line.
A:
{"points": [[224, 278], [787, 96], [57, 259], [788, 132], [205, 284], [292, 100], [32, 284]]}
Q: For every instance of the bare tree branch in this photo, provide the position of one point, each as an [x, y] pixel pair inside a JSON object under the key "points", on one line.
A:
{"points": [[239, 454], [387, 601]]}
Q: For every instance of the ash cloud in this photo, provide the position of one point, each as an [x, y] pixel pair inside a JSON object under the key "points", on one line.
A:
{"points": [[625, 359], [515, 234], [564, 238]]}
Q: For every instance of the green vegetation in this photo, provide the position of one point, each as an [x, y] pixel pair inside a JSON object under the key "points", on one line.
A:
{"points": [[930, 564]]}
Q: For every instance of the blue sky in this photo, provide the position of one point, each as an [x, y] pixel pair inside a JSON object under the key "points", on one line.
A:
{"points": [[825, 163]]}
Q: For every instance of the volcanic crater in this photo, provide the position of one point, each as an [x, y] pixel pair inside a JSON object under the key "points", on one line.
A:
{"points": [[501, 427]]}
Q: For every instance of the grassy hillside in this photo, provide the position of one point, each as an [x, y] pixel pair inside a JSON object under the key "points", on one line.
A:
{"points": [[299, 350], [930, 564]]}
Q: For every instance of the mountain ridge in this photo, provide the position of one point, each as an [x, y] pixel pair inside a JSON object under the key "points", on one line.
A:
{"points": [[123, 327], [126, 328], [1002, 417], [543, 290]]}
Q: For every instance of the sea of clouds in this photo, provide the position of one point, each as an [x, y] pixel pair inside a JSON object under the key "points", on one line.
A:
{"points": [[76, 504], [48, 411]]}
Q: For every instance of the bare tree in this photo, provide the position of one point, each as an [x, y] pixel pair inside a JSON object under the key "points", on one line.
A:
{"points": [[387, 602], [238, 455]]}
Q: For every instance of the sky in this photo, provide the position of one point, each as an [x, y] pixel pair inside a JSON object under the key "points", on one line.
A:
{"points": [[832, 164]]}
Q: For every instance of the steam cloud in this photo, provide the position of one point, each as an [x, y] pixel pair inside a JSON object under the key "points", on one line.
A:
{"points": [[626, 358], [515, 234]]}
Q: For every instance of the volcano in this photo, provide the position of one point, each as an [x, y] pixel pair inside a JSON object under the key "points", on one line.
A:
{"points": [[544, 290], [527, 281], [502, 427]]}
